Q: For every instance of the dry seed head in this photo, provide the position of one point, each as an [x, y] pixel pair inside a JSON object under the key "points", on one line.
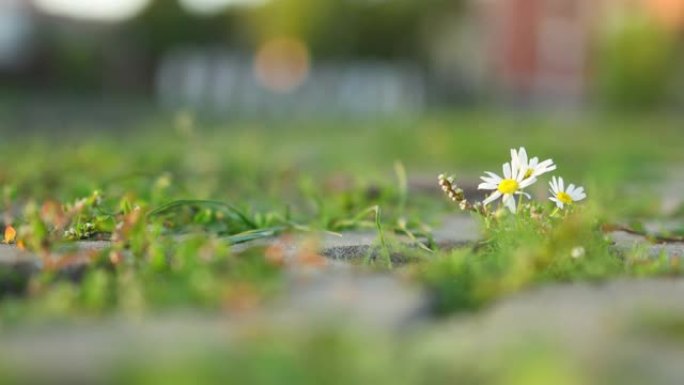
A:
{"points": [[456, 194], [450, 189]]}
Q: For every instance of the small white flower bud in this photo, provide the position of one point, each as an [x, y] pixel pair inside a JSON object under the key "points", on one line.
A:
{"points": [[577, 252]]}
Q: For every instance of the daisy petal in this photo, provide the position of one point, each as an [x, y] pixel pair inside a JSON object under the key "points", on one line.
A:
{"points": [[527, 182], [492, 197], [522, 155], [578, 197], [494, 176], [547, 164], [514, 156], [509, 201]]}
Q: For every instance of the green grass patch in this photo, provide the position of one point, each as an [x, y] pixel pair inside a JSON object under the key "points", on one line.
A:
{"points": [[222, 184]]}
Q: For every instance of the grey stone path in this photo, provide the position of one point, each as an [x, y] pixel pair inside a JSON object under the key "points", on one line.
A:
{"points": [[625, 330], [333, 285], [625, 241], [355, 246], [595, 324]]}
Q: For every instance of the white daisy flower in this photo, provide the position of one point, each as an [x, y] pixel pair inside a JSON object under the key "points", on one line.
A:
{"points": [[532, 167], [507, 187], [562, 196]]}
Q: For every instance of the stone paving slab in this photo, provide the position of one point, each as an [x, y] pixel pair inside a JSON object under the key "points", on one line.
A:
{"points": [[625, 242], [619, 325], [314, 295], [586, 320], [382, 300], [628, 328], [355, 246], [671, 190], [455, 231], [16, 267]]}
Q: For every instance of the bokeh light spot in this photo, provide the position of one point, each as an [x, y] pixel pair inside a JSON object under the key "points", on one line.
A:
{"points": [[282, 64]]}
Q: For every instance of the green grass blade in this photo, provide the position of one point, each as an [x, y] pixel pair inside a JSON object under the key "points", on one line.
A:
{"points": [[198, 202]]}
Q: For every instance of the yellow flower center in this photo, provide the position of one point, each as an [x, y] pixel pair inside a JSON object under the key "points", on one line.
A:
{"points": [[508, 186], [564, 197], [528, 173]]}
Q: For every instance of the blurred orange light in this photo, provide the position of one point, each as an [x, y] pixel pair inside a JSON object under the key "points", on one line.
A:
{"points": [[282, 64], [669, 12], [10, 234]]}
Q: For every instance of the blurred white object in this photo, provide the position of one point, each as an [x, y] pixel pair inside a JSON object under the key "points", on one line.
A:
{"points": [[16, 25], [226, 84], [96, 10], [207, 7]]}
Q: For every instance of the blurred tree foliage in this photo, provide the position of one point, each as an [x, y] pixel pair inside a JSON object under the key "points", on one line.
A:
{"points": [[331, 28], [344, 28], [123, 57], [636, 62], [165, 24]]}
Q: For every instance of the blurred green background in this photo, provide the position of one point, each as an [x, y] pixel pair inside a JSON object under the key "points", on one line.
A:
{"points": [[175, 128], [562, 54]]}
